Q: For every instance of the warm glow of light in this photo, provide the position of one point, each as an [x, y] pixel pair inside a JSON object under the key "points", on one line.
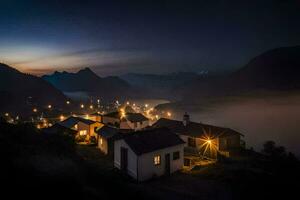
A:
{"points": [[91, 106], [38, 126], [34, 110], [156, 116], [49, 106], [209, 144], [169, 114], [123, 113], [87, 116], [146, 105], [98, 101], [128, 103], [81, 106], [62, 118], [6, 114], [68, 102]]}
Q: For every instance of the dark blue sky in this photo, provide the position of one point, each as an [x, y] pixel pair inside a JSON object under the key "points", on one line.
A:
{"points": [[117, 37]]}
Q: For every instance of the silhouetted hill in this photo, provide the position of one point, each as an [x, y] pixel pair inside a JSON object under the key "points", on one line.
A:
{"points": [[277, 69], [20, 91], [87, 81]]}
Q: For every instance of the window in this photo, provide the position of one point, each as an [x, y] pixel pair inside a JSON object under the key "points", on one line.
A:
{"points": [[83, 132], [101, 141], [156, 160], [176, 155], [191, 142], [76, 126]]}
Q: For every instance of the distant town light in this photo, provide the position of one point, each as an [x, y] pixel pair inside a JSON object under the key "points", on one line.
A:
{"points": [[169, 114], [146, 105], [127, 102], [68, 102], [81, 106], [91, 106], [49, 106], [62, 118], [34, 110], [6, 114]]}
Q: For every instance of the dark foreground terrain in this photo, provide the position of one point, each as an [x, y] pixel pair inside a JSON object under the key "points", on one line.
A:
{"points": [[40, 166]]}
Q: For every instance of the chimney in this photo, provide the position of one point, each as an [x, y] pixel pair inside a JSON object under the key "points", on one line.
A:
{"points": [[186, 119]]}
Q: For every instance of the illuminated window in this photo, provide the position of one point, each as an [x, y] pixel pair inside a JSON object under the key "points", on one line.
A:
{"points": [[156, 160], [176, 155], [76, 126], [83, 132], [101, 141]]}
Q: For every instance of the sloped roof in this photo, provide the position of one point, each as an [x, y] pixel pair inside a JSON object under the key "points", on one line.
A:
{"points": [[136, 117], [147, 141], [71, 121], [58, 128], [194, 129], [109, 131], [116, 115]]}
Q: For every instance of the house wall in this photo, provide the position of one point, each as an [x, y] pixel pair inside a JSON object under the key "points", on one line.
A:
{"points": [[228, 143], [132, 158], [134, 126], [89, 128], [211, 150], [110, 120], [104, 146], [147, 169]]}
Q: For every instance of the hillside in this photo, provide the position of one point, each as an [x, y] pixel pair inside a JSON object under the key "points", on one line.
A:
{"points": [[86, 80], [20, 91], [277, 69]]}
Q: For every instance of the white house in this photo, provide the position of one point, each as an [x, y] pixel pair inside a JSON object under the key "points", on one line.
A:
{"points": [[149, 153], [134, 121]]}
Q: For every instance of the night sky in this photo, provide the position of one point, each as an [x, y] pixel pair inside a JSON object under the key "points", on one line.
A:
{"points": [[117, 37]]}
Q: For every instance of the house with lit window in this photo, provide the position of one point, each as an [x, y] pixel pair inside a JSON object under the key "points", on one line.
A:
{"points": [[134, 121], [106, 137], [202, 139], [85, 129], [149, 153], [123, 120]]}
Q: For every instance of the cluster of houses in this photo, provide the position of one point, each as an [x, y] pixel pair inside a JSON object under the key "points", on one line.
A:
{"points": [[143, 151]]}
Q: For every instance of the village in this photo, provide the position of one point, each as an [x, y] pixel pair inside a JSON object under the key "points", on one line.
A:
{"points": [[145, 144]]}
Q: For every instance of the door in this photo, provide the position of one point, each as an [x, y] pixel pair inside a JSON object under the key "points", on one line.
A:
{"points": [[124, 159], [167, 164]]}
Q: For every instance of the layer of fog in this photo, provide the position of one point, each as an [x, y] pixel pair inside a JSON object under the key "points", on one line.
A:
{"points": [[259, 119]]}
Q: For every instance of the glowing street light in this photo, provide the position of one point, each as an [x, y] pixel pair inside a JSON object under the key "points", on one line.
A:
{"points": [[91, 107], [169, 114], [6, 114], [62, 118], [49, 106], [34, 110], [81, 106], [127, 102], [68, 102]]}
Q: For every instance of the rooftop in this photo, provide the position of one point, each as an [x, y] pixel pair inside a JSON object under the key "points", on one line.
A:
{"points": [[194, 129], [147, 141]]}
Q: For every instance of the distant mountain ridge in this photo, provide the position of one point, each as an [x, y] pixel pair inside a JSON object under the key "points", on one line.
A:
{"points": [[277, 69], [86, 80], [18, 90], [161, 85]]}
